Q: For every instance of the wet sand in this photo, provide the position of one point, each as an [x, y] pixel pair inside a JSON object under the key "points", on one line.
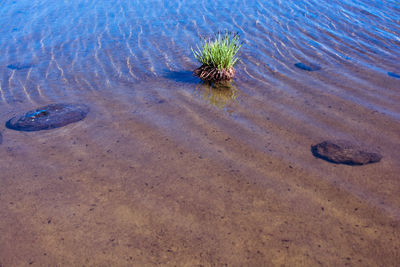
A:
{"points": [[191, 185], [166, 172]]}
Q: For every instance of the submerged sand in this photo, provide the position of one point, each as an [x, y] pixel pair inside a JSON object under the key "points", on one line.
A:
{"points": [[166, 172], [165, 178]]}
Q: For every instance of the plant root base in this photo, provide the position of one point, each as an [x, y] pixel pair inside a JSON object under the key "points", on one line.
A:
{"points": [[213, 74]]}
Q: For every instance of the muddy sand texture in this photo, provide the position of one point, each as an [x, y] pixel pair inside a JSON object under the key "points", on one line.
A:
{"points": [[166, 185]]}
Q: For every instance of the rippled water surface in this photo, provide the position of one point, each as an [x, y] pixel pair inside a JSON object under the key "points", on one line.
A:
{"points": [[165, 170]]}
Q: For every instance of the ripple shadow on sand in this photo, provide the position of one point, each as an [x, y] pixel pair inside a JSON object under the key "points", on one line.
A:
{"points": [[181, 76]]}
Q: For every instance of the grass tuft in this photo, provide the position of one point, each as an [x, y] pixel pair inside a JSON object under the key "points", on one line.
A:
{"points": [[219, 51]]}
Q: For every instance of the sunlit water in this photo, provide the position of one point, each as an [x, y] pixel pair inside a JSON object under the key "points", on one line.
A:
{"points": [[131, 62], [63, 46]]}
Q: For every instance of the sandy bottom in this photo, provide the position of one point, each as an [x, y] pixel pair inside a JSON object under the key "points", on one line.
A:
{"points": [[164, 172], [162, 177]]}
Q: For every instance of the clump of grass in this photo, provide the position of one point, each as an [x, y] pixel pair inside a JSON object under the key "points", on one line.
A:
{"points": [[217, 56]]}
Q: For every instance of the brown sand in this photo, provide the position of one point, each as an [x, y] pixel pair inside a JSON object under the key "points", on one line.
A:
{"points": [[166, 179], [164, 172]]}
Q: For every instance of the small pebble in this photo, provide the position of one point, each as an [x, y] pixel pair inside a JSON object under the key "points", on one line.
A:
{"points": [[307, 67]]}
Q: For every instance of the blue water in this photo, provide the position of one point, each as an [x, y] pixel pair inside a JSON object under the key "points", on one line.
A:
{"points": [[139, 40]]}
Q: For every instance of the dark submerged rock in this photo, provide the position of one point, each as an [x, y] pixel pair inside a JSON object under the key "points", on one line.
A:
{"points": [[48, 117], [394, 75], [307, 67], [19, 66], [344, 152]]}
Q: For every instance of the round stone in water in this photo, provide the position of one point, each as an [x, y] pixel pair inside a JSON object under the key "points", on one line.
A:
{"points": [[344, 152], [48, 117]]}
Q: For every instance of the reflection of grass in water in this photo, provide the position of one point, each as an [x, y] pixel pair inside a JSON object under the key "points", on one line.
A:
{"points": [[222, 95]]}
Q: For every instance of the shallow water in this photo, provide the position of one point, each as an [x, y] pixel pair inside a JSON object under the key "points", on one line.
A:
{"points": [[166, 171]]}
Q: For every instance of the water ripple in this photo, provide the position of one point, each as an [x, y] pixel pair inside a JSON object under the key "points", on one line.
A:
{"points": [[88, 45]]}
